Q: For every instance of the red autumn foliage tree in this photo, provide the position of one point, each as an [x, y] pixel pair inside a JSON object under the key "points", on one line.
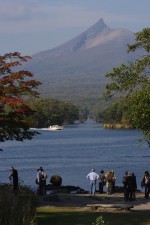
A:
{"points": [[15, 87]]}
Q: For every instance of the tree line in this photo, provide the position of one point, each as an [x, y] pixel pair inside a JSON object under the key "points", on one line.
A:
{"points": [[51, 111], [116, 113]]}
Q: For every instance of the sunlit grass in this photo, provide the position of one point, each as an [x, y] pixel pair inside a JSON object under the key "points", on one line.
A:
{"points": [[63, 216]]}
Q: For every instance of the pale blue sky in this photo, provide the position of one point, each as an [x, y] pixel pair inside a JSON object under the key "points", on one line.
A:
{"points": [[30, 26]]}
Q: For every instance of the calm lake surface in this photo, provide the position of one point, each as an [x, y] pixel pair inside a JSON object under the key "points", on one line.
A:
{"points": [[72, 152]]}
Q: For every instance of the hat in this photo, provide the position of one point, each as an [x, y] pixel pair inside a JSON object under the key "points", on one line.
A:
{"points": [[146, 172], [92, 170], [41, 168]]}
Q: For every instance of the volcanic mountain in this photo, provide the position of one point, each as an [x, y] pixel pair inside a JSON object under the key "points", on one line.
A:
{"points": [[75, 71]]}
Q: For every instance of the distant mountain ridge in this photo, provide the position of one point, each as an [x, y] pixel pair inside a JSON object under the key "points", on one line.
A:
{"points": [[75, 71]]}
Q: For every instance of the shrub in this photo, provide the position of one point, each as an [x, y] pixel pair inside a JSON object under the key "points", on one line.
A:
{"points": [[56, 180], [17, 208], [100, 221]]}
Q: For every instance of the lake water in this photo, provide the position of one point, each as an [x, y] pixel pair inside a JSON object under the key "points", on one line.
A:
{"points": [[72, 152]]}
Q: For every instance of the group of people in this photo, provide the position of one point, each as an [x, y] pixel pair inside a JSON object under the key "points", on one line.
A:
{"points": [[40, 180], [108, 179], [130, 185]]}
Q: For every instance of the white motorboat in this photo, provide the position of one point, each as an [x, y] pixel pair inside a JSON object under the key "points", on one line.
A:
{"points": [[55, 127]]}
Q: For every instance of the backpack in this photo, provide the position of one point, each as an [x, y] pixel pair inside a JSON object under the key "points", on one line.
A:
{"points": [[147, 180]]}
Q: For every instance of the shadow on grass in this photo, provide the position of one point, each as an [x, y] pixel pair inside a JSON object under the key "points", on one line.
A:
{"points": [[87, 218]]}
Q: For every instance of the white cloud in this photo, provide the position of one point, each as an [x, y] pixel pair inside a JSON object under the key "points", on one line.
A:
{"points": [[13, 11]]}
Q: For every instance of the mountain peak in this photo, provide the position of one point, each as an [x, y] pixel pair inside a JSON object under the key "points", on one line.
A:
{"points": [[96, 31], [97, 28], [99, 25]]}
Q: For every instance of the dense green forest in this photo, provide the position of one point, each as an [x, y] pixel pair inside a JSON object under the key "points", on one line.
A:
{"points": [[116, 113], [51, 111]]}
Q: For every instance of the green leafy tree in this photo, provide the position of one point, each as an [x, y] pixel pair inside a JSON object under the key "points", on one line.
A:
{"points": [[15, 87], [83, 116], [133, 82], [51, 112], [116, 113], [70, 113]]}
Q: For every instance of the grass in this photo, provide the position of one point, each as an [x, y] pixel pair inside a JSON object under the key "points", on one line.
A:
{"points": [[67, 217]]}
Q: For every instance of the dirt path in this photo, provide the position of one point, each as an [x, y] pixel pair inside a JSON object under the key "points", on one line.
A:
{"points": [[80, 201]]}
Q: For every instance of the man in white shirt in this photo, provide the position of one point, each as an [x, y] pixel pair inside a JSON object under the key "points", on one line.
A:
{"points": [[92, 177]]}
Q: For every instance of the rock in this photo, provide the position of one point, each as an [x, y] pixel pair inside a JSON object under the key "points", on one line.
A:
{"points": [[56, 180], [66, 189]]}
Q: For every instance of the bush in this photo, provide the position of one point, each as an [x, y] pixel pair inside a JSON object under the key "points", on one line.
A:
{"points": [[100, 221], [17, 208], [56, 180]]}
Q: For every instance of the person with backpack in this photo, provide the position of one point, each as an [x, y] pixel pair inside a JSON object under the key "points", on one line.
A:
{"points": [[110, 181], [102, 181]]}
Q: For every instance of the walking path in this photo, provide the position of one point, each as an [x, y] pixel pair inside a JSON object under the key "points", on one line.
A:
{"points": [[82, 201]]}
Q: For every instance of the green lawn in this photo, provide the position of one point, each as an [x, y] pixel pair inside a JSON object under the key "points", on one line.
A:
{"points": [[46, 217]]}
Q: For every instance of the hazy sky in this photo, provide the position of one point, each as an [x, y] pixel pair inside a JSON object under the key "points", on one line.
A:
{"points": [[30, 26]]}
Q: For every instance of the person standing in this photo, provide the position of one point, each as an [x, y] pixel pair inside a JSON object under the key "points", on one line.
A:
{"points": [[92, 177], [110, 181], [124, 185], [129, 186], [146, 183], [44, 177], [40, 182], [102, 181], [14, 177], [113, 181], [134, 186]]}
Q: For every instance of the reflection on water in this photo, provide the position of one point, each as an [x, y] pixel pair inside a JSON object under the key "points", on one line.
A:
{"points": [[72, 152]]}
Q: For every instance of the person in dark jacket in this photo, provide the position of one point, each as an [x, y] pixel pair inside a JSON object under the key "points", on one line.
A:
{"points": [[124, 183], [14, 177], [146, 184], [102, 181], [134, 186], [128, 182]]}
